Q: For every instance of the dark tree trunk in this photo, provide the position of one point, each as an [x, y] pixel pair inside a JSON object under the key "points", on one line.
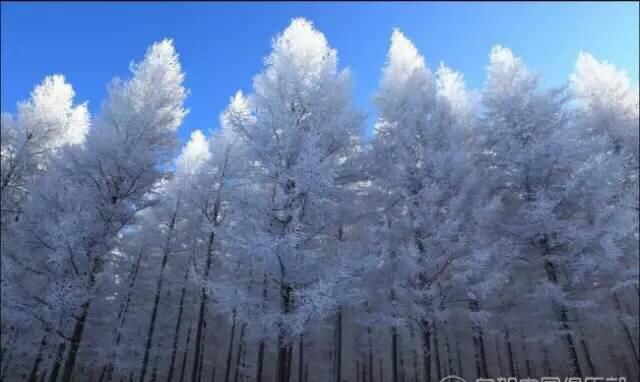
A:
{"points": [[301, 359], [414, 353], [401, 355], [154, 370], [184, 357], [156, 301], [260, 361], [574, 363], [394, 354], [478, 343], [53, 377], [459, 357], [227, 371], [546, 365], [176, 334], [513, 366], [436, 349], [499, 359], [203, 302], [587, 354], [381, 371], [202, 347], [627, 332], [43, 376], [338, 352], [447, 347], [527, 360], [426, 351], [103, 373], [371, 378], [240, 351], [122, 315], [76, 339], [33, 376]]}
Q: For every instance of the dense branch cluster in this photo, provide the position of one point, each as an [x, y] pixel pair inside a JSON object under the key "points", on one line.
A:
{"points": [[480, 233]]}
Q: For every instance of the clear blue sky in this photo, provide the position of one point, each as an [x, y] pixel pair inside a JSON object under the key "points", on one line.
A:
{"points": [[221, 45]]}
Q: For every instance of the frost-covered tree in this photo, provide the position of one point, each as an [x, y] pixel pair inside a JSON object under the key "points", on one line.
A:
{"points": [[92, 192], [299, 129], [47, 121], [421, 164], [551, 195]]}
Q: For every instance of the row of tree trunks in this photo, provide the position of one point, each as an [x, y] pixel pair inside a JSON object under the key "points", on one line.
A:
{"points": [[156, 301]]}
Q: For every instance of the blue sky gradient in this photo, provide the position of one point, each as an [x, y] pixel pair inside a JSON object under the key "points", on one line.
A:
{"points": [[222, 45]]}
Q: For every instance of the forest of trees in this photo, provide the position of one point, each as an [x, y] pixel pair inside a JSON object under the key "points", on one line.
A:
{"points": [[478, 233]]}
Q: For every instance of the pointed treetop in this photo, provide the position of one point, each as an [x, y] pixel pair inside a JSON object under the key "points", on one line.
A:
{"points": [[194, 154], [507, 75], [452, 88], [51, 115], [304, 50], [596, 83], [406, 88], [154, 91]]}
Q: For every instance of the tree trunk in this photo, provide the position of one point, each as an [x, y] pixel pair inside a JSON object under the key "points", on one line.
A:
{"points": [[53, 377], [394, 354], [43, 376], [76, 339], [33, 376], [574, 363], [527, 360], [426, 351], [156, 301], [227, 371], [203, 303], [499, 359], [124, 308], [154, 370], [447, 347], [381, 371], [401, 354], [184, 357], [371, 378], [513, 367], [301, 359], [240, 351], [289, 358], [338, 352], [546, 364], [202, 347], [414, 353], [260, 361], [587, 354], [478, 343], [459, 357], [436, 349], [176, 334], [627, 332]]}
